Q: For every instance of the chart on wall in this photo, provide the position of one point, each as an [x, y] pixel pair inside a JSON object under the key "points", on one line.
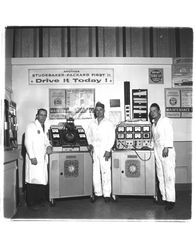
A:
{"points": [[178, 103], [75, 103], [140, 104]]}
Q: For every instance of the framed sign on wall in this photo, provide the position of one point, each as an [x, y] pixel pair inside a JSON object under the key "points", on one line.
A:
{"points": [[75, 103], [182, 73], [178, 103], [155, 75]]}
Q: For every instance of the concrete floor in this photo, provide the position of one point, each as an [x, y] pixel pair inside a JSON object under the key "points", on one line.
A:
{"points": [[124, 208]]}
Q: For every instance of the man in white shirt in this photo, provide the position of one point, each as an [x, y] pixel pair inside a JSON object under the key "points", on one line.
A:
{"points": [[101, 138], [164, 155]]}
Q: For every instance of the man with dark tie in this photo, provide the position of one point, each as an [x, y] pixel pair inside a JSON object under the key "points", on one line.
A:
{"points": [[38, 148]]}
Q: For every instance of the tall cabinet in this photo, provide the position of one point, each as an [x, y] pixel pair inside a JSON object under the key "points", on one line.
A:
{"points": [[10, 182]]}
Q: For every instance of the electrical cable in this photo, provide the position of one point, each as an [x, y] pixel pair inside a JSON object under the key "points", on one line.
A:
{"points": [[135, 150]]}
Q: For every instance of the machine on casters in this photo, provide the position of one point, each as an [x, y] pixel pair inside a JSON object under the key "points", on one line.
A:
{"points": [[133, 164], [70, 164]]}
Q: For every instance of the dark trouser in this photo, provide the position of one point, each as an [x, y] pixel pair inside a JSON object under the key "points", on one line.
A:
{"points": [[158, 192], [36, 194]]}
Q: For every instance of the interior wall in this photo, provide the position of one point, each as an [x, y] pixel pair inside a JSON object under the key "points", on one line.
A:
{"points": [[8, 64], [31, 97]]}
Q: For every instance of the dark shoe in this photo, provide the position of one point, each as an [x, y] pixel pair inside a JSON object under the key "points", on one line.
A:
{"points": [[35, 207], [94, 198], [160, 202], [169, 206], [107, 199], [45, 204]]}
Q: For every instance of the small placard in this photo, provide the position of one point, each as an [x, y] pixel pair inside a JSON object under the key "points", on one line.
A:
{"points": [[156, 75], [114, 103]]}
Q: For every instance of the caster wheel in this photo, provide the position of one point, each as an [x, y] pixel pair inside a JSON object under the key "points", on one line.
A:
{"points": [[155, 198], [52, 203], [92, 199], [114, 197]]}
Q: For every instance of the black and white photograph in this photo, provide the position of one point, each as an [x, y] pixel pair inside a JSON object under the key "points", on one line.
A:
{"points": [[97, 128]]}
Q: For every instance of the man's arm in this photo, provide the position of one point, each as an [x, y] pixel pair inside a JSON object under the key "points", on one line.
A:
{"points": [[29, 136], [168, 137]]}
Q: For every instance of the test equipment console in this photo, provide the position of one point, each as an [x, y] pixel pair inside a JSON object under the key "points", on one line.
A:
{"points": [[133, 165], [70, 164], [68, 137]]}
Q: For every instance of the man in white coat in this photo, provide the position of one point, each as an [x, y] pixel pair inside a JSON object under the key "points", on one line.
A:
{"points": [[101, 137], [36, 172], [164, 155]]}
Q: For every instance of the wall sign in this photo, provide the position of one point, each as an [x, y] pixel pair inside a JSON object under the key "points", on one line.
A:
{"points": [[178, 103], [75, 103], [155, 75], [182, 72], [70, 76]]}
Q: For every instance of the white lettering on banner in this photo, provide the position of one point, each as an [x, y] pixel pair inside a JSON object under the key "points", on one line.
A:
{"points": [[71, 76]]}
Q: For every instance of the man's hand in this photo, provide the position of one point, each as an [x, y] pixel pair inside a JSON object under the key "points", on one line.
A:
{"points": [[49, 150], [90, 147], [107, 155], [34, 161], [165, 152]]}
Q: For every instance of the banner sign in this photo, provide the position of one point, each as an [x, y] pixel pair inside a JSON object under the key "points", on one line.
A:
{"points": [[71, 76], [178, 103], [182, 69], [75, 103]]}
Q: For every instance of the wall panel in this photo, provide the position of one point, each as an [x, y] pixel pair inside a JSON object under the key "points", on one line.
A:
{"points": [[17, 43], [27, 42], [92, 41], [146, 42], [82, 39], [119, 42], [136, 38], [102, 42], [109, 42], [127, 42], [64, 42], [45, 42], [73, 42], [55, 42], [186, 42], [163, 41]]}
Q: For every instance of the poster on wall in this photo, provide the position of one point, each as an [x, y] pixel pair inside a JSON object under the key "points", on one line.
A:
{"points": [[75, 103], [186, 103], [72, 76], [182, 72], [155, 75], [178, 103]]}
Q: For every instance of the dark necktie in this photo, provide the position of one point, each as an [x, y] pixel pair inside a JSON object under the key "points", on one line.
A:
{"points": [[43, 126]]}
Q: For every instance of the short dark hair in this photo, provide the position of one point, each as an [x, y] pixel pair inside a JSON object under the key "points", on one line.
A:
{"points": [[155, 105], [39, 110]]}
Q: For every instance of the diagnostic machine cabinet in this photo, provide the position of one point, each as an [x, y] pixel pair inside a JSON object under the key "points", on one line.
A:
{"points": [[70, 164], [133, 165]]}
